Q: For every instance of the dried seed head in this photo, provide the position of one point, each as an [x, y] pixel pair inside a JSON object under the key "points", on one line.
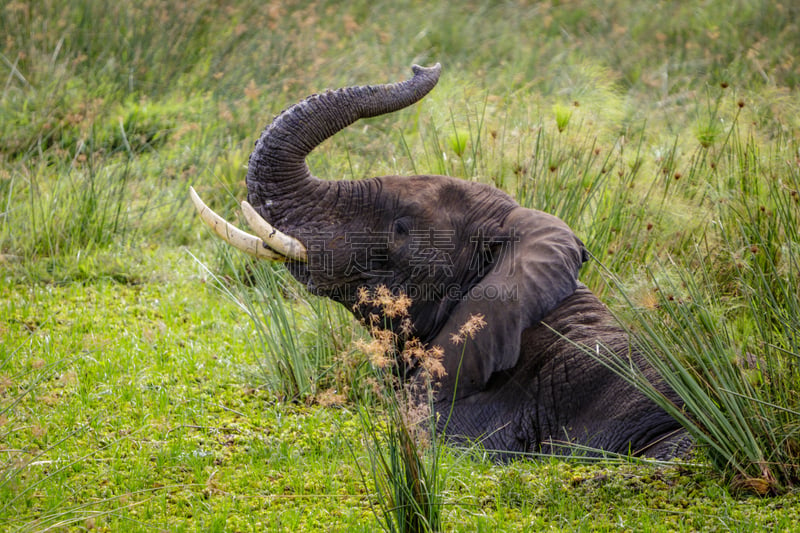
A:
{"points": [[428, 359], [363, 296], [406, 327], [432, 363], [472, 326], [391, 305], [330, 398], [378, 349], [373, 320]]}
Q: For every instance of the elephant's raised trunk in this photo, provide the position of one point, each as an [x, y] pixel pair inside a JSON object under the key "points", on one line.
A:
{"points": [[277, 175], [277, 165]]}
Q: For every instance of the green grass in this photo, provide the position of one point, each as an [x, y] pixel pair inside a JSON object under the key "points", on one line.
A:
{"points": [[303, 342], [725, 331], [136, 395], [158, 419]]}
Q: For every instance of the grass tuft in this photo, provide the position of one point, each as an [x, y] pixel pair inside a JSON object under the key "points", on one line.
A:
{"points": [[722, 330], [402, 442], [300, 340]]}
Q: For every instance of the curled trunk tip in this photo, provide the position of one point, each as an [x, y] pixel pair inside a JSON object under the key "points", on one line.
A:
{"points": [[277, 164]]}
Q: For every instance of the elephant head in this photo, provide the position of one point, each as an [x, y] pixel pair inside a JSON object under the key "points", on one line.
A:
{"points": [[455, 248]]}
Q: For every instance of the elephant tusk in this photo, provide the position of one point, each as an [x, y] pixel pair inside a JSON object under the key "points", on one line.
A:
{"points": [[280, 242], [241, 240]]}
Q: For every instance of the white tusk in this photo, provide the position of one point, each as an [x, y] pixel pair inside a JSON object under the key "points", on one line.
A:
{"points": [[229, 233], [280, 242]]}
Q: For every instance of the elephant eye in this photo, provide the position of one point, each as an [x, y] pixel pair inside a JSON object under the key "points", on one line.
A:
{"points": [[402, 226], [491, 254]]}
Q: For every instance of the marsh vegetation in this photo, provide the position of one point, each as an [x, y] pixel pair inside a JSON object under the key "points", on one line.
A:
{"points": [[151, 379]]}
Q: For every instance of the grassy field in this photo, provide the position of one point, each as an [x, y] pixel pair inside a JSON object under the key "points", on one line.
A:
{"points": [[152, 380]]}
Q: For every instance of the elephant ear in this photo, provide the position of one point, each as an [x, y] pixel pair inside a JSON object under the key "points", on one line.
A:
{"points": [[536, 268]]}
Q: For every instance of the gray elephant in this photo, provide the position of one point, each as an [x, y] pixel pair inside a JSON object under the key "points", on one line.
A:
{"points": [[457, 249]]}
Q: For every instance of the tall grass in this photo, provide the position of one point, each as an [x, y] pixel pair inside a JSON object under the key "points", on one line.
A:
{"points": [[301, 342], [82, 208], [721, 322], [404, 449], [405, 463]]}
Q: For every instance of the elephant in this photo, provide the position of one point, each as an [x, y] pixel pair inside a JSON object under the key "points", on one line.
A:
{"points": [[457, 248]]}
